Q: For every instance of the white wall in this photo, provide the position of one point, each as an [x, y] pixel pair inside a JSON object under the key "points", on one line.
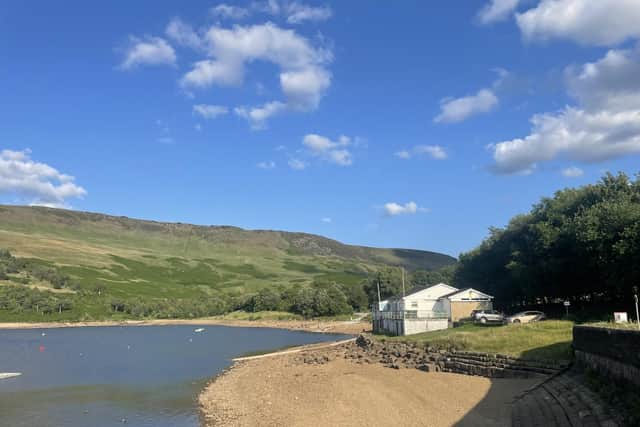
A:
{"points": [[427, 299], [415, 326]]}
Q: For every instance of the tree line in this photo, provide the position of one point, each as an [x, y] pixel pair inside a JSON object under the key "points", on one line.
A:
{"points": [[582, 244]]}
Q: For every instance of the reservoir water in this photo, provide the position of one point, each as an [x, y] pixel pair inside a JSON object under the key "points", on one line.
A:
{"points": [[114, 376]]}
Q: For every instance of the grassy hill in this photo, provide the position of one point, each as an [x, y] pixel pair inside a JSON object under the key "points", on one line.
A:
{"points": [[155, 260]]}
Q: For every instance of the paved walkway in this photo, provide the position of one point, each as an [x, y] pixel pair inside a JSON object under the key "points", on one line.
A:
{"points": [[561, 401]]}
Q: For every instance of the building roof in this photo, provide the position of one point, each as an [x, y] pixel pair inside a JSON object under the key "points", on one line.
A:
{"points": [[459, 291], [417, 289]]}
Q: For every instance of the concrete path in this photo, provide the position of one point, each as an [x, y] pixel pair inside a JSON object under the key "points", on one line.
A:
{"points": [[561, 401]]}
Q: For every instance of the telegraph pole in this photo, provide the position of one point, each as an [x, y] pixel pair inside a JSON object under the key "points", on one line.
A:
{"points": [[378, 294], [403, 293], [635, 297]]}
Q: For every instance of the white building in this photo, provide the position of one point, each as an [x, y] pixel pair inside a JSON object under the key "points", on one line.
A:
{"points": [[424, 309]]}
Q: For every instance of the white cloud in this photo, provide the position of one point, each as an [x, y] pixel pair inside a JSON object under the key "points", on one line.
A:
{"points": [[207, 72], [210, 111], [298, 13], [304, 88], [459, 109], [410, 208], [604, 125], [37, 183], [433, 151], [226, 11], [272, 7], [326, 149], [497, 10], [148, 51], [403, 154], [294, 12], [297, 164], [182, 33], [267, 165], [572, 172], [326, 220], [588, 22], [257, 116], [197, 127], [303, 75]]}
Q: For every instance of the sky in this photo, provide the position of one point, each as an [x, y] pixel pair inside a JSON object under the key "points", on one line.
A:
{"points": [[408, 124]]}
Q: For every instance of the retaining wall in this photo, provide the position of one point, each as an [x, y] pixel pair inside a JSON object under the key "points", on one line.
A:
{"points": [[612, 352]]}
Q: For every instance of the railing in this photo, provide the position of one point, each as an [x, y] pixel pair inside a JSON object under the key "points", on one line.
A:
{"points": [[409, 314]]}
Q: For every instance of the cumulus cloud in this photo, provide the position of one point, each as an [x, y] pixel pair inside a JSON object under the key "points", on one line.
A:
{"points": [[588, 22], [410, 208], [183, 34], [293, 11], [227, 11], [459, 109], [257, 116], [335, 152], [148, 51], [267, 165], [604, 124], [304, 77], [297, 13], [497, 10], [572, 172], [433, 151], [210, 111], [36, 183], [296, 164]]}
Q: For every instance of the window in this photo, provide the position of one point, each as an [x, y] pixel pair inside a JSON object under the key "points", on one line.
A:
{"points": [[414, 304]]}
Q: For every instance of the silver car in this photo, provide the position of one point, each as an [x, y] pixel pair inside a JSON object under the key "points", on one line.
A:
{"points": [[526, 317], [487, 316]]}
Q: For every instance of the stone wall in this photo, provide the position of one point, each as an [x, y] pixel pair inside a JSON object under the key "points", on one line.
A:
{"points": [[401, 355], [612, 352]]}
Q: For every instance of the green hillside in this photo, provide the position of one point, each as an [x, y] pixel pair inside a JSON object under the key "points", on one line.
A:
{"points": [[148, 260]]}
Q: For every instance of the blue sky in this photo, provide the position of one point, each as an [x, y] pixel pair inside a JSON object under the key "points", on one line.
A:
{"points": [[418, 124]]}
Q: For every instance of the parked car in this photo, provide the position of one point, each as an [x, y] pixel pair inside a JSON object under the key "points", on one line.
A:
{"points": [[526, 317], [487, 316]]}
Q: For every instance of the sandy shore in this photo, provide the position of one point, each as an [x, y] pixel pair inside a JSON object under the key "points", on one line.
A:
{"points": [[342, 327], [289, 390]]}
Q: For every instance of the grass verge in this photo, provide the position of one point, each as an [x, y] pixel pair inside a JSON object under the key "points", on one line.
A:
{"points": [[549, 340]]}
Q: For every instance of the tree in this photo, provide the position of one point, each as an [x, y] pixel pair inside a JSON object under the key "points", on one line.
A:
{"points": [[389, 280], [582, 244]]}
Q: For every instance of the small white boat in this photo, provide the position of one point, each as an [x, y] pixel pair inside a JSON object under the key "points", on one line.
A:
{"points": [[198, 330], [4, 375]]}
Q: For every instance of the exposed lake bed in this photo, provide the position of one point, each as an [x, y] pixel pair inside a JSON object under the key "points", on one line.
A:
{"points": [[142, 376]]}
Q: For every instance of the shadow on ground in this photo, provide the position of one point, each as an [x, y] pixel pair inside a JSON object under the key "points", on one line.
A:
{"points": [[495, 408]]}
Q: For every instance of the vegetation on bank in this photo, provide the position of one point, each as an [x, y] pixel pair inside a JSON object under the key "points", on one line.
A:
{"points": [[582, 245], [548, 340], [115, 268], [32, 291]]}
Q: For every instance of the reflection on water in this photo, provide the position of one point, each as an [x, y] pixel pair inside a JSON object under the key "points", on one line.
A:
{"points": [[104, 376]]}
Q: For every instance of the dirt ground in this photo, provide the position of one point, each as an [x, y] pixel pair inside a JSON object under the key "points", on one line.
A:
{"points": [[327, 326], [286, 390]]}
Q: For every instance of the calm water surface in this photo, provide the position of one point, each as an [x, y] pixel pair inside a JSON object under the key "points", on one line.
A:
{"points": [[108, 376]]}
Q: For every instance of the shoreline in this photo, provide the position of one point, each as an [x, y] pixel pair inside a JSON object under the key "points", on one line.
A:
{"points": [[316, 326], [324, 384]]}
